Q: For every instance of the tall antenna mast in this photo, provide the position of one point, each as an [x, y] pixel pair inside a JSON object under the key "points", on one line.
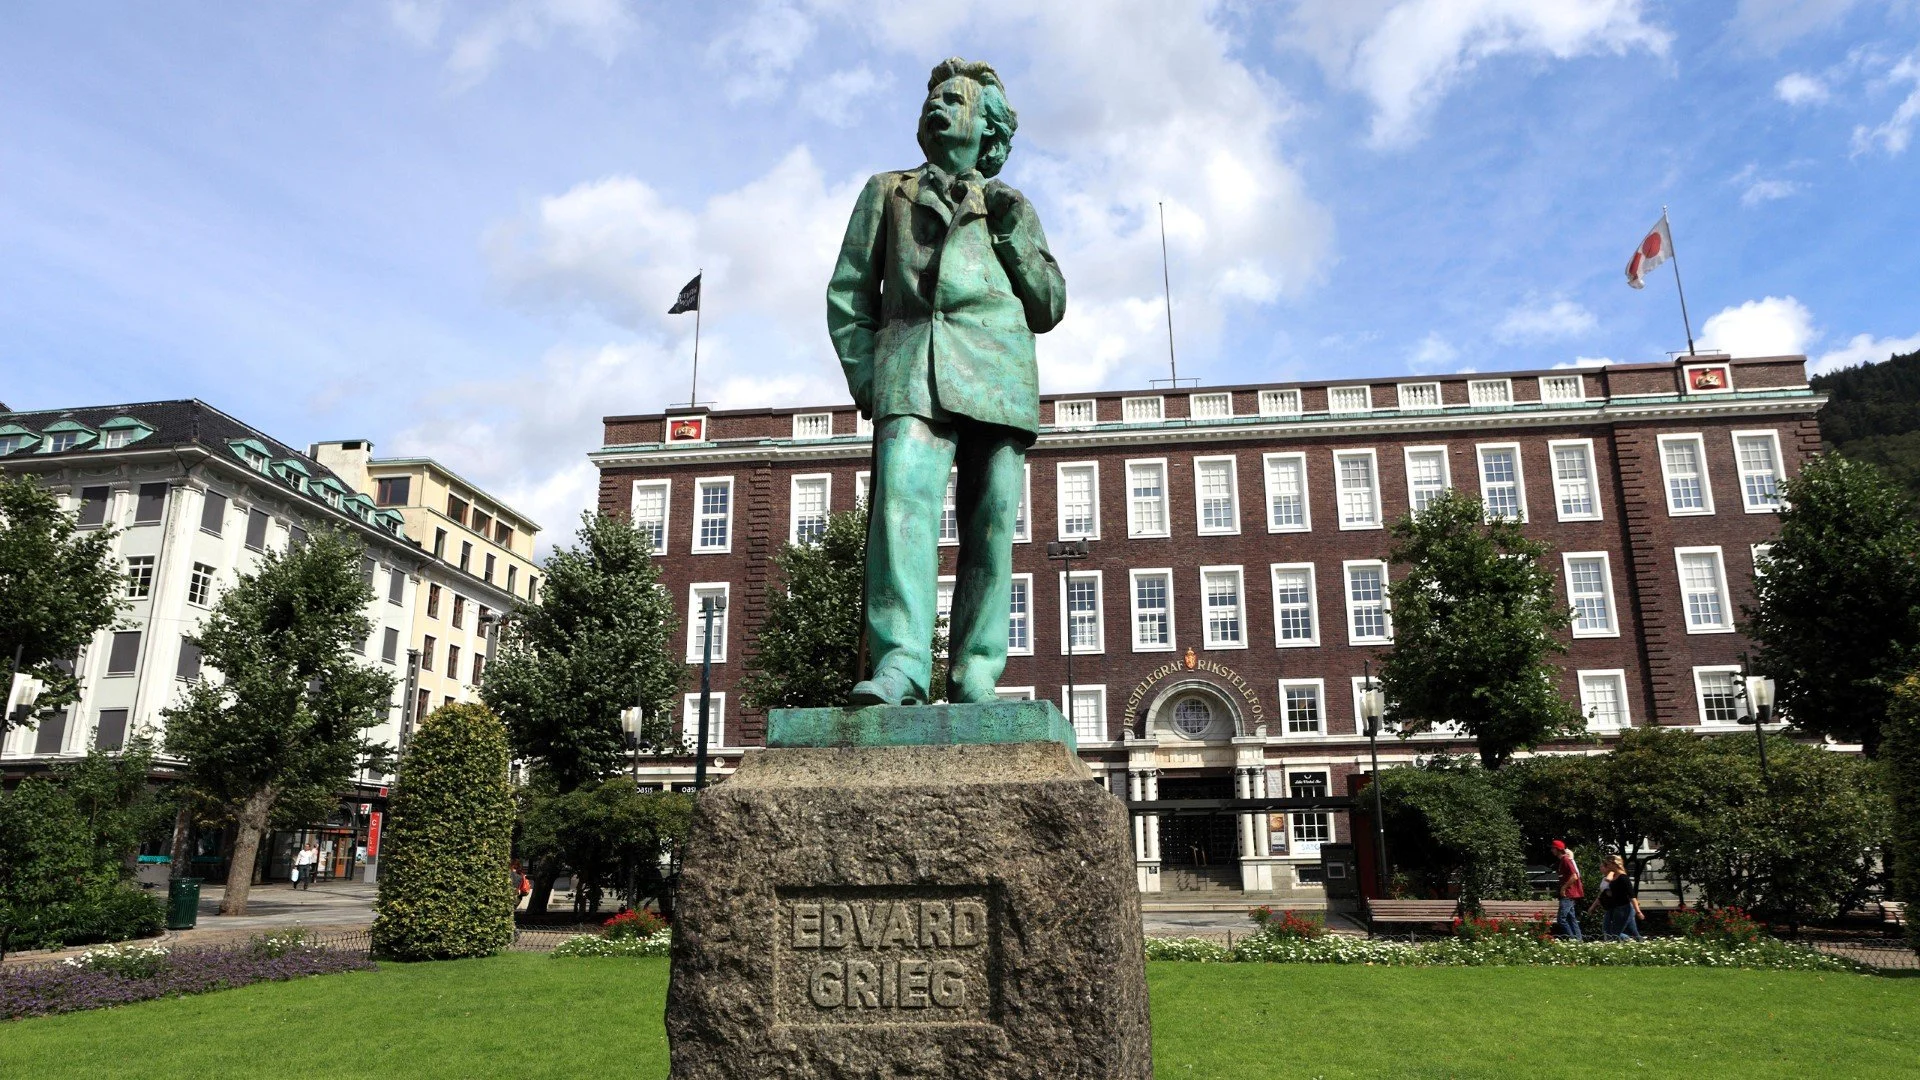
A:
{"points": [[1166, 281]]}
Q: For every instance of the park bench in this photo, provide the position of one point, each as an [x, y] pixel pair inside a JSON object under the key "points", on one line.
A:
{"points": [[1520, 909], [1410, 912]]}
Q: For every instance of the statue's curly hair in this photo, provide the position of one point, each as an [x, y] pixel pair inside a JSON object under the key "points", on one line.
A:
{"points": [[1002, 121]]}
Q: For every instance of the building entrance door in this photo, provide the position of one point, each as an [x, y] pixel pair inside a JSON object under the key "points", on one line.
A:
{"points": [[1198, 840]]}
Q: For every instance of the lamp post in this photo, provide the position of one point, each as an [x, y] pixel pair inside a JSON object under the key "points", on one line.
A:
{"points": [[1758, 690], [632, 722], [709, 607], [1373, 707], [1066, 553]]}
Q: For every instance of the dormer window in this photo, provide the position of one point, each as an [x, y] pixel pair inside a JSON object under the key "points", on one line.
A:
{"points": [[122, 431], [251, 452], [67, 435], [290, 472], [15, 439]]}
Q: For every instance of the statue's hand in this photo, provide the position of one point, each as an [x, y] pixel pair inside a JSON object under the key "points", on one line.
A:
{"points": [[1003, 203]]}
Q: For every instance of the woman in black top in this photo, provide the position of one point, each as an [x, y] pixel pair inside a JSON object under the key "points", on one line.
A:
{"points": [[1616, 897]]}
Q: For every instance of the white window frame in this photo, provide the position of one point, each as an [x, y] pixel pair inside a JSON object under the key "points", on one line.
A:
{"points": [[699, 486], [1519, 475], [1319, 687], [1619, 677], [696, 623], [1308, 848], [1233, 493], [1060, 502], [1740, 471], [801, 418], [1666, 480], [1700, 694], [1130, 404], [943, 587], [1579, 383], [1032, 625], [666, 509], [1066, 706], [1166, 500], [1240, 613], [1386, 602], [1133, 610], [1280, 403], [716, 720], [863, 426], [1212, 398], [1606, 579], [1554, 446], [1403, 388], [1339, 490], [1299, 459], [148, 563], [793, 501], [1313, 606], [1072, 405], [1757, 552], [1013, 693], [1333, 394], [1099, 611], [1489, 393], [862, 487], [1023, 517], [1720, 571], [1446, 470], [953, 489]]}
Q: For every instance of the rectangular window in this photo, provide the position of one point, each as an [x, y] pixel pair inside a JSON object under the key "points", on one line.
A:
{"points": [[1280, 403], [396, 585], [200, 585], [651, 500], [512, 572], [1152, 610], [697, 596], [1359, 489], [1073, 414], [427, 647], [390, 646], [1210, 406], [1301, 703], [213, 512], [950, 510], [1563, 388], [1147, 512], [440, 543], [1500, 485], [151, 504], [1718, 690], [1287, 493], [943, 605], [1424, 395], [1490, 392], [1295, 622], [1683, 460], [1703, 584], [1603, 700], [813, 425], [459, 611], [457, 509], [1088, 711], [1142, 410], [533, 589], [1762, 554], [713, 519], [124, 657], [1221, 591], [482, 523], [1367, 620], [1427, 475], [716, 720], [257, 530], [51, 737], [1020, 616], [93, 506], [139, 577], [1349, 399], [112, 732], [503, 534], [479, 667], [809, 499], [1757, 455], [1311, 828], [433, 601], [466, 555], [367, 567], [187, 668], [1590, 591], [1575, 490], [392, 490], [453, 662], [1083, 624], [1022, 518], [115, 438], [1216, 486], [59, 442], [296, 538], [1079, 502]]}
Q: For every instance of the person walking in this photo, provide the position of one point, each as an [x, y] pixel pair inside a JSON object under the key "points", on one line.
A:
{"points": [[1617, 899], [305, 865], [1571, 892]]}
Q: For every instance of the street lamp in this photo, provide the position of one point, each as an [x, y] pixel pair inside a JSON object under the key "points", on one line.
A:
{"points": [[631, 722], [1373, 708], [1066, 553], [1758, 690], [709, 607]]}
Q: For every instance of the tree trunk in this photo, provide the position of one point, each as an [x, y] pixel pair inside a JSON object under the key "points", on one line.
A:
{"points": [[543, 876], [249, 824], [182, 837]]}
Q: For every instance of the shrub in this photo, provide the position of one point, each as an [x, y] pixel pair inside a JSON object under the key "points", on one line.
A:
{"points": [[1196, 950], [1304, 925], [44, 989], [1538, 928], [444, 887], [277, 943], [1506, 950], [594, 945], [1448, 827], [118, 913], [126, 961], [1900, 767], [1728, 926], [631, 923]]}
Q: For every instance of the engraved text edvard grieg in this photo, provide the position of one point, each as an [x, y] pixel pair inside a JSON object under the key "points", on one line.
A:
{"points": [[906, 957]]}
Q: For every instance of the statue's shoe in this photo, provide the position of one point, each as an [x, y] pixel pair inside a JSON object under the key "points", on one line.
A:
{"points": [[885, 688]]}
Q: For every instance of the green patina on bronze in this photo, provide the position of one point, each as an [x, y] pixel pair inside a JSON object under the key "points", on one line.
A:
{"points": [[942, 282], [920, 725]]}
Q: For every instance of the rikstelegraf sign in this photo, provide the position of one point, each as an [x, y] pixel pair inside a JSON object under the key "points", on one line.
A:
{"points": [[1230, 681]]}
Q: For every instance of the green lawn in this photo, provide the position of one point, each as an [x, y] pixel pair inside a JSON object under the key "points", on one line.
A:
{"points": [[527, 1015]]}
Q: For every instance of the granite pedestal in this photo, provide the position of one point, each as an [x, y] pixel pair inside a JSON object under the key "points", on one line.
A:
{"points": [[866, 909]]}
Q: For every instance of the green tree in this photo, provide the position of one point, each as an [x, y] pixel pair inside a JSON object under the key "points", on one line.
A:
{"points": [[810, 640], [611, 835], [1447, 826], [59, 585], [1900, 779], [444, 887], [1837, 606], [288, 716], [1474, 621], [1872, 415]]}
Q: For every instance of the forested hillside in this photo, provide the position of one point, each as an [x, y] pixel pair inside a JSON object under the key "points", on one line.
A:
{"points": [[1873, 414]]}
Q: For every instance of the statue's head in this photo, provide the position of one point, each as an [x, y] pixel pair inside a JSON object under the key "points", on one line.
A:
{"points": [[966, 102]]}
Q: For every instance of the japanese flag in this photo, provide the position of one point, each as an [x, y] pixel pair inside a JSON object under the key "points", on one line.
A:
{"points": [[1654, 250]]}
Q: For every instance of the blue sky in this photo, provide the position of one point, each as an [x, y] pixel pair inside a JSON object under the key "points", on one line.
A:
{"points": [[455, 229]]}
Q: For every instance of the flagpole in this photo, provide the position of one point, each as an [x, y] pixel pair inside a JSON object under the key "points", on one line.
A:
{"points": [[1166, 282], [1673, 253], [699, 301]]}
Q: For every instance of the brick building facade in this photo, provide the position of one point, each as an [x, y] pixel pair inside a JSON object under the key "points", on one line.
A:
{"points": [[1238, 539]]}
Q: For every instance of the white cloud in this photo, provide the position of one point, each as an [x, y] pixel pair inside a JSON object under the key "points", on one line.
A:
{"points": [[1770, 24], [1585, 362], [1795, 88], [1761, 191], [1406, 55], [1774, 326], [1562, 318], [1894, 135], [758, 51], [1433, 355], [600, 27], [838, 98], [1863, 349]]}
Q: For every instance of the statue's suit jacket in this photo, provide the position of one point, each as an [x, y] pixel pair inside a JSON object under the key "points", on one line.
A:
{"points": [[933, 310]]}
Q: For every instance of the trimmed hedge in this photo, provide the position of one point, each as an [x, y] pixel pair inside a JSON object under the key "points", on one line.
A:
{"points": [[444, 888], [1900, 760]]}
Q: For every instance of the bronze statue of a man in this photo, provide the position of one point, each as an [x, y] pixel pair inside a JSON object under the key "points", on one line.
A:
{"points": [[942, 281]]}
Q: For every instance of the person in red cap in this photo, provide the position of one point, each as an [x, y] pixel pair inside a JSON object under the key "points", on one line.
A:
{"points": [[1568, 925]]}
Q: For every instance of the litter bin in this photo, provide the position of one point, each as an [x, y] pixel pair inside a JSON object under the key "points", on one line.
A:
{"points": [[183, 903]]}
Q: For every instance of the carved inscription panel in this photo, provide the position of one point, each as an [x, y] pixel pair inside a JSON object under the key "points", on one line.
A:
{"points": [[857, 955]]}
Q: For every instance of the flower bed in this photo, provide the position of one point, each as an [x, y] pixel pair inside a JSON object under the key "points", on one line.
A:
{"points": [[1505, 950], [656, 944], [121, 974]]}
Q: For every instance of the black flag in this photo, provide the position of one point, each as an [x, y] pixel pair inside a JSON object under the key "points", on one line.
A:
{"points": [[689, 298]]}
